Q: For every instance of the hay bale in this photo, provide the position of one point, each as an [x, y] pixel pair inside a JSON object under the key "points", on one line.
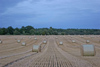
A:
{"points": [[18, 41], [35, 38], [0, 41], [36, 48], [73, 41], [23, 44], [88, 50], [87, 41], [44, 42], [60, 43]]}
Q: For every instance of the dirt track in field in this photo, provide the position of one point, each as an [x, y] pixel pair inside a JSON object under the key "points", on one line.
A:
{"points": [[13, 54]]}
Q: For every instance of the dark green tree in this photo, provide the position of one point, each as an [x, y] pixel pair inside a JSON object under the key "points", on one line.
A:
{"points": [[10, 30], [32, 32], [28, 28], [16, 32], [1, 31]]}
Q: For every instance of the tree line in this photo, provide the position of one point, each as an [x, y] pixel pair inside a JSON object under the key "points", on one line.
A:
{"points": [[29, 30]]}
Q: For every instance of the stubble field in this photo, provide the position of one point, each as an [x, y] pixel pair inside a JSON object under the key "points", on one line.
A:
{"points": [[13, 54]]}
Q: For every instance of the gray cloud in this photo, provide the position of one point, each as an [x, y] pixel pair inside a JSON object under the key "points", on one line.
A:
{"points": [[4, 4], [52, 12]]}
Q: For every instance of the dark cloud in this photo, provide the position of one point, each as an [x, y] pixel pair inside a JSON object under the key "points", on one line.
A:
{"points": [[4, 4]]}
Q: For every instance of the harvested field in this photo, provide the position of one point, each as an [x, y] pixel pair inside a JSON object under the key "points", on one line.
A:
{"points": [[13, 54]]}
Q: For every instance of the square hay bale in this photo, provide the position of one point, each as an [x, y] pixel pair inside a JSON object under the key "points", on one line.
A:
{"points": [[73, 41], [44, 42], [0, 41], [88, 50], [36, 48], [23, 44], [18, 41], [60, 43]]}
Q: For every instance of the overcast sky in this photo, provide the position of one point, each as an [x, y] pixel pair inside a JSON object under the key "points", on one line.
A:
{"points": [[45, 13]]}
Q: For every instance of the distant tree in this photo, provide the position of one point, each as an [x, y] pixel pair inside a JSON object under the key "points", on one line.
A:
{"points": [[16, 32], [55, 33], [1, 32], [43, 33], [62, 33], [17, 29], [50, 31], [4, 31], [8, 34], [22, 30], [32, 31], [51, 28], [10, 30], [28, 28]]}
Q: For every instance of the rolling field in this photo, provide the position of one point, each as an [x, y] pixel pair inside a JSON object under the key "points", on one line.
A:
{"points": [[13, 54]]}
